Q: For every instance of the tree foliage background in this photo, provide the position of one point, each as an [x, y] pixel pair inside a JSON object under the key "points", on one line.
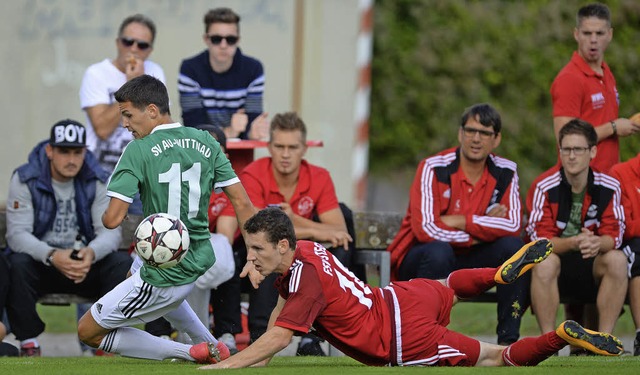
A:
{"points": [[434, 58]]}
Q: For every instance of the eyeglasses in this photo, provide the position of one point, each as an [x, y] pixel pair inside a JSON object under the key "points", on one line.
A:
{"points": [[577, 151], [128, 42], [471, 132], [217, 39]]}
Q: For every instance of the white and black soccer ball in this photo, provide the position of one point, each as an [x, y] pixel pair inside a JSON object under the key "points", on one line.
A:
{"points": [[162, 240]]}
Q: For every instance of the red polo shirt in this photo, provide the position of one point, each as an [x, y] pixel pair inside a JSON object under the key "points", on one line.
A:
{"points": [[579, 92], [314, 194]]}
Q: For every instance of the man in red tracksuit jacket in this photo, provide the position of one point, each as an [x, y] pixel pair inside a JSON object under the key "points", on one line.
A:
{"points": [[579, 210], [465, 212], [628, 174]]}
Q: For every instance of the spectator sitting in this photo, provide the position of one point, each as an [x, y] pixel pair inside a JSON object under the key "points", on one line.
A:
{"points": [[464, 212], [6, 349], [579, 210], [59, 194], [300, 189], [628, 174], [221, 86]]}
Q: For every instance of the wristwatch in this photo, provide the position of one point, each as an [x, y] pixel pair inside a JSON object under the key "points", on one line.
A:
{"points": [[49, 260]]}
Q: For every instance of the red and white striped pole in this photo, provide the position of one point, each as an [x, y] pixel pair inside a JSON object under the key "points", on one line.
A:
{"points": [[364, 49]]}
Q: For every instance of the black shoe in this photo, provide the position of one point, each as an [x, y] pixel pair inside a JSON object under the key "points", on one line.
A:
{"points": [[311, 348], [8, 350], [636, 346]]}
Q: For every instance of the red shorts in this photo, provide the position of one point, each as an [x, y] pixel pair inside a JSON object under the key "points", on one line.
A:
{"points": [[420, 310]]}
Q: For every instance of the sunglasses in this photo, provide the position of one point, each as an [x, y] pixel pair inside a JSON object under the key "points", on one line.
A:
{"points": [[128, 42], [217, 39]]}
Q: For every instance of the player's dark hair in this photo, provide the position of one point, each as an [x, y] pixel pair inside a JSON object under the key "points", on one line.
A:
{"points": [[597, 10], [221, 15], [144, 90], [141, 19], [579, 127], [288, 122], [485, 114], [274, 223]]}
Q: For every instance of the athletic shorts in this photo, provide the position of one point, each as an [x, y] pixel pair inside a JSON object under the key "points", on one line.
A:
{"points": [[576, 277], [420, 311], [631, 249], [134, 301]]}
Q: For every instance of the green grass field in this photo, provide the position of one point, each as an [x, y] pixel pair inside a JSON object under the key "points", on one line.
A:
{"points": [[306, 365], [469, 318]]}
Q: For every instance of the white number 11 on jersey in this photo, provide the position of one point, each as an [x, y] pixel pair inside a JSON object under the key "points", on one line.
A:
{"points": [[174, 177]]}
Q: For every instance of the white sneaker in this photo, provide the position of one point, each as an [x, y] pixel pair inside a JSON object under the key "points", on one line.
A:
{"points": [[230, 341]]}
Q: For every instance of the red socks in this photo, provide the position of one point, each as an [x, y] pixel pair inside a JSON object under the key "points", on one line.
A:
{"points": [[530, 351], [470, 282]]}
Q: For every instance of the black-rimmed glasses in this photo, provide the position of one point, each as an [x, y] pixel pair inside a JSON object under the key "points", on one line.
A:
{"points": [[471, 132], [577, 151]]}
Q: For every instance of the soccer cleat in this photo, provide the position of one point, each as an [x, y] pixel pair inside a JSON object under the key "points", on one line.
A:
{"points": [[523, 260], [30, 350], [636, 345], [206, 352], [595, 342]]}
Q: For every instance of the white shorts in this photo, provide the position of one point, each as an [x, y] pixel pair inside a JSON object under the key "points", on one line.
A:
{"points": [[134, 301]]}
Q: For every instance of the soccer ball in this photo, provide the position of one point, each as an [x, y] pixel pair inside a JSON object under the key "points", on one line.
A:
{"points": [[162, 240]]}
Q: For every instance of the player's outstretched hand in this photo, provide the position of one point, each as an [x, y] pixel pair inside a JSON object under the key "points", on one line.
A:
{"points": [[254, 276]]}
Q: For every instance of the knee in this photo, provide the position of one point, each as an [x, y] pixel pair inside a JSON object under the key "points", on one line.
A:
{"points": [[615, 263], [434, 260], [20, 262], [87, 332], [548, 270], [509, 246]]}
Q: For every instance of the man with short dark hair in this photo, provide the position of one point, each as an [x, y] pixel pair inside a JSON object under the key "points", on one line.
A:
{"points": [[464, 212], [57, 197], [402, 324], [578, 209], [586, 88], [222, 86]]}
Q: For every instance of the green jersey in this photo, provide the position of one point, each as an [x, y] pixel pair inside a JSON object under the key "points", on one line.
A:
{"points": [[175, 168]]}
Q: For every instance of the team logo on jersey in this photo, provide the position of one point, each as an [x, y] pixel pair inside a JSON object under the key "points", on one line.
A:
{"points": [[305, 206], [447, 194], [592, 211], [218, 205], [597, 100]]}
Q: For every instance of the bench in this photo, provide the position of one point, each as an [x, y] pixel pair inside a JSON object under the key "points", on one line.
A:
{"points": [[374, 231]]}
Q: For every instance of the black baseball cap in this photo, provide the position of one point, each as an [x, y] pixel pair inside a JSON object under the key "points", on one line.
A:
{"points": [[68, 133]]}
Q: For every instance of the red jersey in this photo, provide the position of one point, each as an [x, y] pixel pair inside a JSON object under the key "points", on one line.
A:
{"points": [[628, 174], [549, 203], [441, 188], [579, 92], [314, 194], [402, 324]]}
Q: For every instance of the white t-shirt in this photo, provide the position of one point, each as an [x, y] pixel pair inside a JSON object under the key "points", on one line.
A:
{"points": [[100, 82]]}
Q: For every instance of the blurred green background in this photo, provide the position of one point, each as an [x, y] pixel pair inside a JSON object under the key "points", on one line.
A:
{"points": [[434, 58]]}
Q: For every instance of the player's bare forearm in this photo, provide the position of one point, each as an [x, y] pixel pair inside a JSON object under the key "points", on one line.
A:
{"points": [[105, 119], [115, 213], [271, 342], [241, 203]]}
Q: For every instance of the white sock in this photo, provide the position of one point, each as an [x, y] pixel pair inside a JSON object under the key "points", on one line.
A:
{"points": [[29, 341], [184, 319], [132, 342]]}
